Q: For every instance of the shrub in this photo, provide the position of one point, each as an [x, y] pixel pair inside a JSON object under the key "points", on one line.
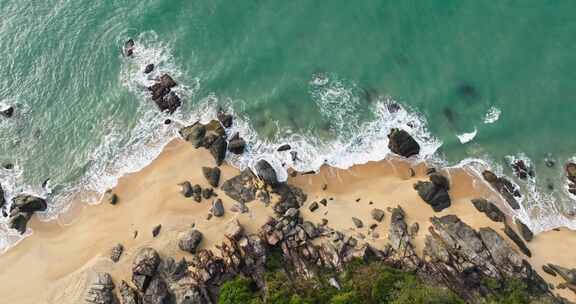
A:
{"points": [[236, 291]]}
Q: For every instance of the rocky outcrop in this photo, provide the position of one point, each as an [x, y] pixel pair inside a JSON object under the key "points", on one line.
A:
{"points": [[190, 240], [290, 197], [504, 187], [165, 99], [102, 290], [526, 233], [241, 188], [401, 143], [22, 208], [266, 172], [237, 145], [571, 175], [212, 175], [225, 119], [488, 208], [194, 134], [399, 239], [435, 192], [144, 267]]}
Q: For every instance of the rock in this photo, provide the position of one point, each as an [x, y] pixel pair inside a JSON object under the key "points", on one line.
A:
{"points": [[116, 252], [313, 206], [8, 166], [324, 187], [237, 145], [19, 221], [488, 208], [194, 134], [524, 230], [324, 202], [310, 229], [102, 290], [110, 197], [167, 81], [2, 199], [217, 208], [233, 230], [414, 228], [294, 156], [146, 262], [401, 143], [156, 230], [377, 214], [504, 187], [266, 172], [571, 172], [186, 189], [517, 240], [218, 150], [284, 147], [549, 270], [290, 197], [207, 193], [128, 294], [158, 91], [7, 112], [357, 222], [212, 175], [373, 226], [28, 203], [241, 188], [569, 275], [168, 103], [128, 50], [157, 292], [521, 170], [225, 119], [430, 171], [189, 241], [167, 121], [149, 68], [435, 192]]}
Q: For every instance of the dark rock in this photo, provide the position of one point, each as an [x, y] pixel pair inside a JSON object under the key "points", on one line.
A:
{"points": [[521, 169], [357, 222], [2, 199], [156, 230], [218, 150], [377, 214], [157, 292], [489, 209], [571, 172], [102, 290], [290, 197], [28, 203], [8, 112], [8, 166], [116, 252], [110, 197], [144, 267], [241, 188], [324, 187], [517, 240], [401, 143], [186, 189], [128, 50], [569, 275], [197, 197], [435, 192], [158, 91], [549, 270], [149, 68], [468, 91], [284, 147], [430, 171], [237, 145], [310, 229], [169, 103], [19, 221], [128, 294], [217, 208], [167, 121], [212, 175], [524, 230], [504, 187], [324, 202], [313, 206], [194, 134], [167, 81], [189, 241], [207, 193], [225, 119], [294, 156], [414, 228], [266, 172], [196, 189]]}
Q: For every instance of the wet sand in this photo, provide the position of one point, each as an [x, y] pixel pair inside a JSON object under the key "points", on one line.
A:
{"points": [[56, 263]]}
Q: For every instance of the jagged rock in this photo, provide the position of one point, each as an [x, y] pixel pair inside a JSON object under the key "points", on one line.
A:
{"points": [[501, 253], [225, 119], [144, 267], [241, 188], [186, 189], [290, 197], [196, 189], [217, 208], [435, 192], [28, 203], [189, 241], [504, 187], [237, 145], [401, 143], [128, 294], [7, 112], [169, 103], [156, 230], [149, 68], [313, 206], [524, 230], [116, 252], [377, 214], [357, 222], [102, 290], [490, 209], [517, 240], [234, 230], [569, 275], [194, 134], [266, 172], [20, 221], [284, 147], [521, 169], [157, 292], [310, 229], [399, 240], [218, 150], [212, 175]]}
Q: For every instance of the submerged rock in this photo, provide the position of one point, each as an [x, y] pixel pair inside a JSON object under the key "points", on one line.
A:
{"points": [[189, 241], [401, 143], [521, 170], [128, 49], [435, 192], [212, 175]]}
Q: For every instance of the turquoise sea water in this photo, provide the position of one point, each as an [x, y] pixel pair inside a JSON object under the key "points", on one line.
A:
{"points": [[314, 73]]}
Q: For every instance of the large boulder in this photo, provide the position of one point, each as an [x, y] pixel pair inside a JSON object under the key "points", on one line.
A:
{"points": [[190, 240], [505, 187], [241, 188], [157, 292], [237, 145], [225, 119], [169, 103], [194, 134], [144, 267], [102, 290], [28, 203], [266, 172], [218, 149], [524, 230], [488, 208], [19, 221], [435, 192], [167, 81], [401, 143], [212, 175]]}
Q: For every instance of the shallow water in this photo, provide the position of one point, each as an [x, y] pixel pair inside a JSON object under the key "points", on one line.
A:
{"points": [[318, 73]]}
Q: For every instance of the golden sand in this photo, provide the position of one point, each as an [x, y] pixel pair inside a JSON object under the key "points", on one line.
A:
{"points": [[56, 263]]}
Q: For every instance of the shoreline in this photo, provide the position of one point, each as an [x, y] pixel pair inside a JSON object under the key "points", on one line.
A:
{"points": [[61, 256]]}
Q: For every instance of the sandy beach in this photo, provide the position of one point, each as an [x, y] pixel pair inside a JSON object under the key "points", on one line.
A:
{"points": [[56, 263]]}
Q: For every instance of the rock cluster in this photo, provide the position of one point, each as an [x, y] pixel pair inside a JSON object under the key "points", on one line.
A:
{"points": [[505, 187], [22, 208], [435, 192], [522, 170]]}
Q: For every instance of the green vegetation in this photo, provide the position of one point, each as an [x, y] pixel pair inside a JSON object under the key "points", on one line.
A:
{"points": [[236, 291]]}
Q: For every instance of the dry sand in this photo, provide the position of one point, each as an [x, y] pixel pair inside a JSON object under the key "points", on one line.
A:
{"points": [[56, 263]]}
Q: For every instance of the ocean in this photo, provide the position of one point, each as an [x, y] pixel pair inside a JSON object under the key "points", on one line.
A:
{"points": [[478, 82]]}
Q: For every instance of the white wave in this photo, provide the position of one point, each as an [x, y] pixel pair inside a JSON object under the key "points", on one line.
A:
{"points": [[467, 137], [492, 115]]}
